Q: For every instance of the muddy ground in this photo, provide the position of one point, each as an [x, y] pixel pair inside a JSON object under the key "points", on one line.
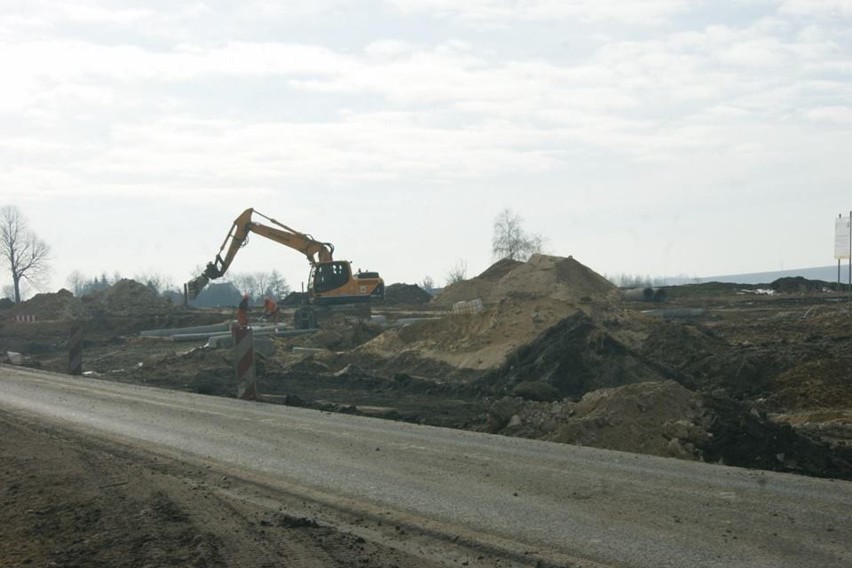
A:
{"points": [[751, 376], [70, 501]]}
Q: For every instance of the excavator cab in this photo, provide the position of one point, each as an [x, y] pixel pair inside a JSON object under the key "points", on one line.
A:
{"points": [[328, 276], [333, 282]]}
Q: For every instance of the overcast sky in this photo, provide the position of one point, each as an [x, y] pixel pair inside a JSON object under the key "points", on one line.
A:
{"points": [[647, 137]]}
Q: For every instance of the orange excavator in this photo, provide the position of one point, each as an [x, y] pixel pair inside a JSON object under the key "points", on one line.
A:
{"points": [[332, 285]]}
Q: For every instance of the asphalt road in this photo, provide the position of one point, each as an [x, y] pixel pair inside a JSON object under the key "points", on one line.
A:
{"points": [[526, 498]]}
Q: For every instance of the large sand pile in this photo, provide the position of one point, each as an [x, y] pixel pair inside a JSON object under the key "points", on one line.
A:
{"points": [[542, 276], [522, 299]]}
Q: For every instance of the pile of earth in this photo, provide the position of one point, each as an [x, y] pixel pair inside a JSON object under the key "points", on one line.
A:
{"points": [[61, 305], [340, 333], [699, 359], [124, 298], [664, 418], [124, 308], [407, 295], [128, 298], [520, 301], [799, 284], [127, 307], [40, 324], [542, 276], [573, 357]]}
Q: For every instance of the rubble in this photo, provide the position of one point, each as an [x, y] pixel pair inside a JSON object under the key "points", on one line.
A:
{"points": [[406, 295]]}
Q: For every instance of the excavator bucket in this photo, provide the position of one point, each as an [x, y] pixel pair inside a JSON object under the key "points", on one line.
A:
{"points": [[196, 285]]}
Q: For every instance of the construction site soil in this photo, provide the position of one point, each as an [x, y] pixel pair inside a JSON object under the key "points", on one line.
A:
{"points": [[752, 376]]}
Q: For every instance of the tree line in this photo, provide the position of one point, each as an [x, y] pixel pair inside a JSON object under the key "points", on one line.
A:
{"points": [[26, 258], [255, 284]]}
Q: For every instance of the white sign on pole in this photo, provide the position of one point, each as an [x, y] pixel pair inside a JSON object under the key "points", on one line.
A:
{"points": [[842, 237]]}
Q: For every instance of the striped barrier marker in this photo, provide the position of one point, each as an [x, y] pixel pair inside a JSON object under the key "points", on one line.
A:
{"points": [[25, 318], [75, 351], [244, 360]]}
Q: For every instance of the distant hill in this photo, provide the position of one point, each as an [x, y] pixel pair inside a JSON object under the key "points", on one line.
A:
{"points": [[825, 273]]}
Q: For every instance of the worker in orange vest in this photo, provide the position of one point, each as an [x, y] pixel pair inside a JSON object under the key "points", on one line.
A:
{"points": [[270, 310], [242, 312]]}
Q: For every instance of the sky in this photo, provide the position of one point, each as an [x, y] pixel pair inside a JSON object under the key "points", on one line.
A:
{"points": [[641, 137]]}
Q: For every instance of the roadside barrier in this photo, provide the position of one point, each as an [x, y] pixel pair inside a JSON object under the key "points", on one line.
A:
{"points": [[75, 351], [244, 361], [24, 318]]}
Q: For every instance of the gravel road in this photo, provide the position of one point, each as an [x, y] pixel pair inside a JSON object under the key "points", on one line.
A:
{"points": [[523, 500]]}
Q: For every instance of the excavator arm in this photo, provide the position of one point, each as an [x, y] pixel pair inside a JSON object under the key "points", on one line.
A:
{"points": [[315, 251]]}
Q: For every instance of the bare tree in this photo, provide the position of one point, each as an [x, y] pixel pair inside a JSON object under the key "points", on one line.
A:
{"points": [[458, 272], [24, 253], [245, 283], [427, 283], [510, 240], [278, 284], [77, 282], [262, 283], [157, 282], [259, 284]]}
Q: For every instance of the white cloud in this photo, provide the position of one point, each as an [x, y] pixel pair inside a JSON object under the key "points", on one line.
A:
{"points": [[636, 12], [91, 12], [637, 119], [837, 115], [820, 8]]}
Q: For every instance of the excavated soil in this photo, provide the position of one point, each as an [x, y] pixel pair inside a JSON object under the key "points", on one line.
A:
{"points": [[717, 373]]}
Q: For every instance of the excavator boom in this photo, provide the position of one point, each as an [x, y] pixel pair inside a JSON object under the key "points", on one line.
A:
{"points": [[314, 250], [330, 282]]}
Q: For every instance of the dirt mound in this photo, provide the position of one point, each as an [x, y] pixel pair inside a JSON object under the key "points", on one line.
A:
{"points": [[473, 341], [477, 287], [575, 356], [406, 294], [799, 284], [340, 333], [699, 359], [542, 276], [823, 383], [522, 300], [61, 305], [666, 419], [129, 298], [656, 418], [742, 437]]}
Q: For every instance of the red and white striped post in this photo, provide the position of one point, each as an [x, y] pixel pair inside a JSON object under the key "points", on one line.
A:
{"points": [[244, 361], [75, 351]]}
